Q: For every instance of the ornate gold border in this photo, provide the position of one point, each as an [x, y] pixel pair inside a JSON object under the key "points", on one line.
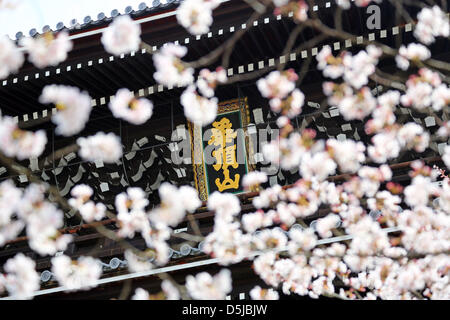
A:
{"points": [[195, 132]]}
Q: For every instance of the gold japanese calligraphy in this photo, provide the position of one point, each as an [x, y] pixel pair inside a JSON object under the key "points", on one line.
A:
{"points": [[222, 170], [222, 136]]}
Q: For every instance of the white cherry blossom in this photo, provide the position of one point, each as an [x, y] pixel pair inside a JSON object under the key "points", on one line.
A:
{"points": [[226, 205], [433, 22], [195, 16], [277, 84], [21, 279], [254, 178], [122, 36], [413, 52], [73, 108], [47, 50], [200, 110], [170, 69], [125, 106], [101, 146], [257, 293], [207, 81], [141, 294], [446, 156], [11, 58], [15, 142], [81, 274], [206, 287]]}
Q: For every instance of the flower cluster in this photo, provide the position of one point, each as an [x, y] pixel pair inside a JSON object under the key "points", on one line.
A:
{"points": [[43, 221], [11, 58], [75, 275], [170, 70], [413, 52], [197, 109], [299, 9], [426, 90], [101, 146], [196, 15], [21, 279], [122, 36], [89, 210], [47, 50], [73, 108], [15, 142], [169, 292], [355, 69], [207, 81], [205, 287], [125, 106], [345, 4], [433, 22]]}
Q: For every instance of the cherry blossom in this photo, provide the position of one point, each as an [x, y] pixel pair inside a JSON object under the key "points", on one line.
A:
{"points": [[348, 154], [195, 16], [200, 110], [301, 240], [257, 293], [444, 130], [73, 108], [15, 142], [133, 200], [291, 106], [414, 137], [75, 275], [325, 225], [254, 178], [298, 8], [47, 50], [270, 239], [122, 36], [332, 67], [414, 52], [170, 70], [226, 205], [441, 97], [137, 263], [207, 81], [419, 191], [319, 165], [43, 221], [446, 156], [101, 146], [205, 287], [11, 59], [277, 84], [360, 66], [125, 106], [385, 146], [10, 197], [140, 294], [345, 4], [170, 291], [89, 210], [175, 202], [421, 89], [433, 22], [357, 106], [21, 280]]}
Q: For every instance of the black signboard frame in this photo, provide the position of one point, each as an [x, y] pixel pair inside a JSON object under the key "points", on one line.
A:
{"points": [[204, 185]]}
